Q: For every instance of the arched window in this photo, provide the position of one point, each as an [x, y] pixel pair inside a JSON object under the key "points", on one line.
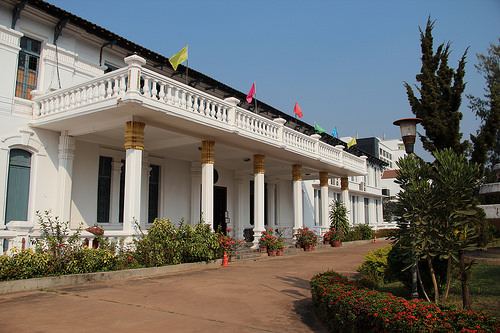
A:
{"points": [[18, 185]]}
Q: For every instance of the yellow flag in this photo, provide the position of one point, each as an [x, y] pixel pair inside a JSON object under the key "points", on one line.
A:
{"points": [[179, 57], [351, 143]]}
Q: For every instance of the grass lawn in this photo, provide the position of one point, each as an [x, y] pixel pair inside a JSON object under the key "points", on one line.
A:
{"points": [[484, 289]]}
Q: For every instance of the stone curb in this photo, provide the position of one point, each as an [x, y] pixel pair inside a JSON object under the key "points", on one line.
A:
{"points": [[7, 287]]}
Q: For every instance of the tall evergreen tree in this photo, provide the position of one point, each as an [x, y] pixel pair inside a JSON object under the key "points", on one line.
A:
{"points": [[440, 91], [486, 142]]}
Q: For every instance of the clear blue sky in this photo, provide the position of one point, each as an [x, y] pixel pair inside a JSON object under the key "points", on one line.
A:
{"points": [[344, 62]]}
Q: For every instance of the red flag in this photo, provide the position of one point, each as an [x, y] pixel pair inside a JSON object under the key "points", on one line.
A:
{"points": [[251, 93], [297, 110]]}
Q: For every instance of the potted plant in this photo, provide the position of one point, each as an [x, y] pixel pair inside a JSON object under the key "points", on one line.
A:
{"points": [[336, 238], [272, 248], [307, 238], [267, 241], [327, 237]]}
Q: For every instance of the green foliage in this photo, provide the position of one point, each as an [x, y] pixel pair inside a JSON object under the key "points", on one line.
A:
{"points": [[359, 232], [345, 306], [375, 265], [440, 91], [90, 260], [385, 233], [24, 264], [338, 217], [486, 143], [167, 244]]}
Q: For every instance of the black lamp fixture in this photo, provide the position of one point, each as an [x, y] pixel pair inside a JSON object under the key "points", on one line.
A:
{"points": [[408, 127]]}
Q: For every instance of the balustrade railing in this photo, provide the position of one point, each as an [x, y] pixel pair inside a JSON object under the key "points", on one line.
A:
{"points": [[187, 102]]}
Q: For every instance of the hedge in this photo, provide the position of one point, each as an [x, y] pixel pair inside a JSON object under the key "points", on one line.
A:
{"points": [[346, 306]]}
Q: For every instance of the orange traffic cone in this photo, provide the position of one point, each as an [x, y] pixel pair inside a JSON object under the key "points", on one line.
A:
{"points": [[225, 262], [375, 239]]}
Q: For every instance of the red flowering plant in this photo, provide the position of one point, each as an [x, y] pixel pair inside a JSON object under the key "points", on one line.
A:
{"points": [[229, 244], [305, 236], [346, 306], [333, 235], [269, 240]]}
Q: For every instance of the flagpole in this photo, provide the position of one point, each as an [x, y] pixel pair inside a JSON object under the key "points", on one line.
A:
{"points": [[187, 70], [255, 99]]}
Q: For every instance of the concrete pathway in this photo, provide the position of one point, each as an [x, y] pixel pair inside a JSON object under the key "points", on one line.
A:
{"points": [[267, 295]]}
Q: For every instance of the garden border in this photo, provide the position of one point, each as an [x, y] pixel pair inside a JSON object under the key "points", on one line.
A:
{"points": [[13, 286]]}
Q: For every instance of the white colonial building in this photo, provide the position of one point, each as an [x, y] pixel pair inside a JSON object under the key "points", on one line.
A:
{"points": [[100, 130]]}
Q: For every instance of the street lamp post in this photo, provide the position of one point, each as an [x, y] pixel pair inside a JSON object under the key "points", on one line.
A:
{"points": [[408, 127]]}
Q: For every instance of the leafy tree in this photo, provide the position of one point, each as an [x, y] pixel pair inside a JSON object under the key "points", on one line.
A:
{"points": [[486, 142], [440, 92], [438, 214], [338, 216]]}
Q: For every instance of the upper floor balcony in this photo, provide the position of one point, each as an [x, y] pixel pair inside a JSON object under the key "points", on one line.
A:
{"points": [[135, 92]]}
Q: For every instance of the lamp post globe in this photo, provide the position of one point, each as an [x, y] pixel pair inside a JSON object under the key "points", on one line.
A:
{"points": [[408, 127]]}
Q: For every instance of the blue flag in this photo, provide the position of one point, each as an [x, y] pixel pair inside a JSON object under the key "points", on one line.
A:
{"points": [[334, 132]]}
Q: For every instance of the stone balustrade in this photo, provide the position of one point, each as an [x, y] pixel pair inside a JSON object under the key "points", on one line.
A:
{"points": [[137, 83]]}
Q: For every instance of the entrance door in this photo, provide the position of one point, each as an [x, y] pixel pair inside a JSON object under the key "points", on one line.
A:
{"points": [[220, 207]]}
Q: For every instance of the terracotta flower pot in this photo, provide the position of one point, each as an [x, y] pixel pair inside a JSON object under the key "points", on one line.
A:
{"points": [[308, 248], [336, 243], [281, 252], [263, 248], [272, 253]]}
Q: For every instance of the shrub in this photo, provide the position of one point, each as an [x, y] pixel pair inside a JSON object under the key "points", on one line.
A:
{"points": [[90, 260], [24, 264], [167, 244], [385, 233], [375, 265], [338, 216], [359, 232], [348, 307]]}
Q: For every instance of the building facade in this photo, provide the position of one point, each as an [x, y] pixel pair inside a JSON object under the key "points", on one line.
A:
{"points": [[99, 130]]}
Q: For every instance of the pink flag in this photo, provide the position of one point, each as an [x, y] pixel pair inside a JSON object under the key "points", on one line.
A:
{"points": [[297, 110], [251, 93]]}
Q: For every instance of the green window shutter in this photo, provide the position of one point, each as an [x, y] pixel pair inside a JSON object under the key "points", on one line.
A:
{"points": [[104, 189], [18, 185]]}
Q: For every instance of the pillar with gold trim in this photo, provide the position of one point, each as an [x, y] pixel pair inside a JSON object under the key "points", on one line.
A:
{"points": [[134, 146], [259, 203], [323, 183], [298, 215], [207, 181]]}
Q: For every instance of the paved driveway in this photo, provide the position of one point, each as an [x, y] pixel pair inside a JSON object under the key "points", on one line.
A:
{"points": [[268, 295]]}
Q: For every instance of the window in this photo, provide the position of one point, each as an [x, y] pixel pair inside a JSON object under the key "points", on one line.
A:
{"points": [[121, 203], [104, 189], [154, 190], [367, 210], [18, 185], [27, 67]]}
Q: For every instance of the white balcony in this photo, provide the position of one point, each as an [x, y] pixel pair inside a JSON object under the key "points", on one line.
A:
{"points": [[137, 92]]}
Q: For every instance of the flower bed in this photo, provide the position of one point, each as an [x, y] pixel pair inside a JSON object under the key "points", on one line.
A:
{"points": [[349, 307]]}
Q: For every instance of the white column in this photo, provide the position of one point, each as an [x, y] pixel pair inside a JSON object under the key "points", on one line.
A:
{"points": [[207, 182], [325, 219], [298, 214], [65, 176], [134, 144], [259, 197], [195, 193]]}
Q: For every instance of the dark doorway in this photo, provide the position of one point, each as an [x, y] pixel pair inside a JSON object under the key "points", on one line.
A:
{"points": [[220, 207]]}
